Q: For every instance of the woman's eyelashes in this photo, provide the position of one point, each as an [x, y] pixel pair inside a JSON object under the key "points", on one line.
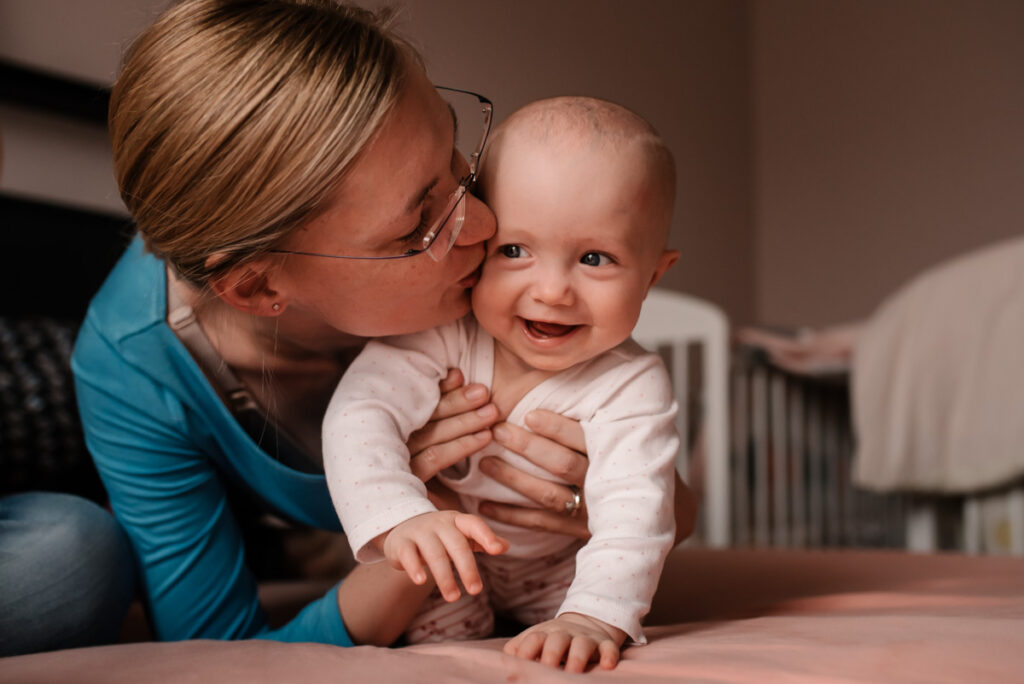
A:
{"points": [[416, 235]]}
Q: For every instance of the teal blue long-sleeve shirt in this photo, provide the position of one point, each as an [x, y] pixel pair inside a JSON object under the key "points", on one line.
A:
{"points": [[165, 444]]}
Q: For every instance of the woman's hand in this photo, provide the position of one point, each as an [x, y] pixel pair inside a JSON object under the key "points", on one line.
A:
{"points": [[458, 427], [462, 424], [557, 445]]}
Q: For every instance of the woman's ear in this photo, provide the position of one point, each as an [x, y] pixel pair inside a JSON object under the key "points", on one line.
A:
{"points": [[665, 261], [247, 287]]}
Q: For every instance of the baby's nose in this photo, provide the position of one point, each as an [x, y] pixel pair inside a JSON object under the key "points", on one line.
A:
{"points": [[552, 288]]}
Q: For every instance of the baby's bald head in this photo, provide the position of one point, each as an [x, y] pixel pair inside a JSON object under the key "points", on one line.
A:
{"points": [[594, 129]]}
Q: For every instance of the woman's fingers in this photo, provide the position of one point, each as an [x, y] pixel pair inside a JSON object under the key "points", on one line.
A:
{"points": [[552, 496], [536, 519], [561, 459], [562, 430], [451, 381], [432, 460], [459, 400], [453, 427]]}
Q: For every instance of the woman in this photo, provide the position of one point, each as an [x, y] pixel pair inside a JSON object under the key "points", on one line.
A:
{"points": [[279, 158]]}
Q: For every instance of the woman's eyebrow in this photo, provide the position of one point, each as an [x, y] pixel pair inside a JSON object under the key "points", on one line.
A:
{"points": [[418, 198], [455, 122]]}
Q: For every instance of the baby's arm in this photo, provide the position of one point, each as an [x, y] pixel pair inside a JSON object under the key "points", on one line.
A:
{"points": [[440, 539], [632, 444], [571, 637]]}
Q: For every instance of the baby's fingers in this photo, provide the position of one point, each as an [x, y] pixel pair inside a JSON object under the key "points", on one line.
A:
{"points": [[609, 654], [476, 530], [437, 559], [462, 557], [580, 651], [527, 645], [555, 646], [407, 558]]}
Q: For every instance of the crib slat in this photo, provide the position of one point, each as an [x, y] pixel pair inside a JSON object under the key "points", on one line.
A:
{"points": [[972, 525], [1015, 513], [759, 416], [740, 445], [815, 488], [798, 482], [680, 380], [780, 461]]}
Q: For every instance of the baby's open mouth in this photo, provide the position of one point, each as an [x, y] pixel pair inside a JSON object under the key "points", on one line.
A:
{"points": [[546, 330]]}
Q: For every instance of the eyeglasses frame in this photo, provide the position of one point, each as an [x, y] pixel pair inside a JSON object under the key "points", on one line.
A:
{"points": [[455, 199]]}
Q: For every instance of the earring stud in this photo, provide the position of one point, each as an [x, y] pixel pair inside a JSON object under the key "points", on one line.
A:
{"points": [[276, 306]]}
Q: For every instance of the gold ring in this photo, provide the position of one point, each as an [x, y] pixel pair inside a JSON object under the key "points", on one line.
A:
{"points": [[572, 506]]}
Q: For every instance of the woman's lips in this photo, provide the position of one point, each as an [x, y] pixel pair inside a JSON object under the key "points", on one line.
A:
{"points": [[470, 280]]}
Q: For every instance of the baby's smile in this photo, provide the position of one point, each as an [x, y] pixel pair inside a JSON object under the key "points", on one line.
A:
{"points": [[547, 330]]}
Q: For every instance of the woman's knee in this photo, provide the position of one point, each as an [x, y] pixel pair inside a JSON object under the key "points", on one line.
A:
{"points": [[66, 573]]}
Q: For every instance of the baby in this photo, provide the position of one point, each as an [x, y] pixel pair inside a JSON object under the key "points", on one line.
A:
{"points": [[583, 192]]}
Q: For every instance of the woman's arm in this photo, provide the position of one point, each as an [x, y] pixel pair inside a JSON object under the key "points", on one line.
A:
{"points": [[376, 603], [170, 499]]}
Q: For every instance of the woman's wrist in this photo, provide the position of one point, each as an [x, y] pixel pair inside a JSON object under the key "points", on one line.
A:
{"points": [[377, 602]]}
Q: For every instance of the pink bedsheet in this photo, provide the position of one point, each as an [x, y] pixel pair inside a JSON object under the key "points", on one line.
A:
{"points": [[720, 616]]}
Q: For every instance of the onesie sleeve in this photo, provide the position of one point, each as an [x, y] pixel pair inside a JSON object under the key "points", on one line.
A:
{"points": [[169, 499], [632, 444], [389, 391]]}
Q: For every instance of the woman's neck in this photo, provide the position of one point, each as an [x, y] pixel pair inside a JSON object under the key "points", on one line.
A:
{"points": [[289, 363], [243, 340]]}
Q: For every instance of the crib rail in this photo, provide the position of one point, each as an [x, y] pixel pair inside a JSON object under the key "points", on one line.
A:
{"points": [[791, 450]]}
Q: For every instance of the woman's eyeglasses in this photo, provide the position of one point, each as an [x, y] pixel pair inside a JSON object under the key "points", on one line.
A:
{"points": [[446, 222]]}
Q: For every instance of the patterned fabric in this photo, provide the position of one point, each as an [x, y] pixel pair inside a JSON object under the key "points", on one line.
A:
{"points": [[41, 444], [624, 403], [528, 590]]}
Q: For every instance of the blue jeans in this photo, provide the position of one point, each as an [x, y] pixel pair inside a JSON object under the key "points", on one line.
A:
{"points": [[66, 573]]}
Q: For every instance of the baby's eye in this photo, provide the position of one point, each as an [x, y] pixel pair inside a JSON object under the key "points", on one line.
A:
{"points": [[596, 259], [512, 251]]}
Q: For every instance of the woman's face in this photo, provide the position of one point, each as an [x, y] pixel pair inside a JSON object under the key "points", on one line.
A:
{"points": [[408, 169]]}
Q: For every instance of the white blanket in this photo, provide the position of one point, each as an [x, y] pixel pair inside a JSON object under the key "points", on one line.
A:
{"points": [[938, 378]]}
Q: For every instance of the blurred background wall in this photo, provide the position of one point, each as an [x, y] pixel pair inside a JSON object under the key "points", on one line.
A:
{"points": [[827, 150]]}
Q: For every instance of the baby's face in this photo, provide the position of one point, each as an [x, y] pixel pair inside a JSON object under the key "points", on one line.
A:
{"points": [[575, 252]]}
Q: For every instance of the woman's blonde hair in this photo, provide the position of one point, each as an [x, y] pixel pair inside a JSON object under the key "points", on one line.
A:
{"points": [[233, 121]]}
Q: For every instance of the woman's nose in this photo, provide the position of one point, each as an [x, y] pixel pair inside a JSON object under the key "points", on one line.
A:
{"points": [[479, 224]]}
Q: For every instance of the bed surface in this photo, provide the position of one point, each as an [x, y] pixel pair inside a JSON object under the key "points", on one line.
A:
{"points": [[720, 616]]}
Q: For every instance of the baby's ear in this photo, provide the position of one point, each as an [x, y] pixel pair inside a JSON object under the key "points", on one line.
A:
{"points": [[665, 261]]}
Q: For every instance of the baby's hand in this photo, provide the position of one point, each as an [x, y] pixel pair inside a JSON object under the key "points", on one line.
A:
{"points": [[571, 637], [439, 539]]}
